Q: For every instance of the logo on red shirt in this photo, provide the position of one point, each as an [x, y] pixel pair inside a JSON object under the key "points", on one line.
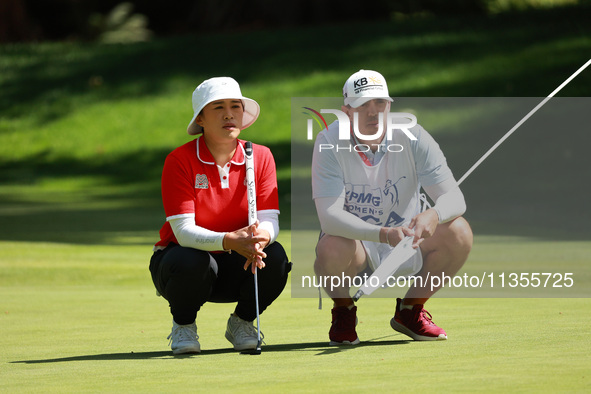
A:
{"points": [[201, 181]]}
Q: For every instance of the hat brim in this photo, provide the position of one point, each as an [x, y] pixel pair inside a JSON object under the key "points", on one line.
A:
{"points": [[251, 113], [356, 102]]}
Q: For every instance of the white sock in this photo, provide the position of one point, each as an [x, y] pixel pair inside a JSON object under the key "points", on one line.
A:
{"points": [[348, 306], [403, 306]]}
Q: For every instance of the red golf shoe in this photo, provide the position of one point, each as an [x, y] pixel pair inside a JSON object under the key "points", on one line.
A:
{"points": [[416, 323], [342, 331]]}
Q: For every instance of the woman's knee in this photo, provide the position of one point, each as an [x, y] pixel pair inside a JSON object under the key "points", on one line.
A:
{"points": [[181, 261], [277, 258]]}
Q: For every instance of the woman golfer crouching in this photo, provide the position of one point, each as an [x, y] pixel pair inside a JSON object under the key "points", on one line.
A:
{"points": [[206, 246]]}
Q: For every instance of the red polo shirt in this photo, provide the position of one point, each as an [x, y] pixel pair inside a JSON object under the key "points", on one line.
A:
{"points": [[192, 183]]}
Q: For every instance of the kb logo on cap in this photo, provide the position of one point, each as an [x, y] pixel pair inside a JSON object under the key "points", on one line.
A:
{"points": [[361, 83]]}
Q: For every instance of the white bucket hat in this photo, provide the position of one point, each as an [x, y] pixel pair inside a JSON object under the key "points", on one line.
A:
{"points": [[363, 86], [221, 88]]}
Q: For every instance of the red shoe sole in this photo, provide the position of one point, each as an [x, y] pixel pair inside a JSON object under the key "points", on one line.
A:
{"points": [[406, 331]]}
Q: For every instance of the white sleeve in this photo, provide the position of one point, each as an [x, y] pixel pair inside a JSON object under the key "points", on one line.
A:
{"points": [[269, 220], [449, 199], [327, 174], [192, 236], [336, 221]]}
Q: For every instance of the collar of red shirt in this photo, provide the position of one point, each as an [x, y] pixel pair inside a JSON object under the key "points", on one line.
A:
{"points": [[205, 156]]}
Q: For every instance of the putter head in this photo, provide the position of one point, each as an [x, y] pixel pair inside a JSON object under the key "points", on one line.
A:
{"points": [[252, 352], [357, 295]]}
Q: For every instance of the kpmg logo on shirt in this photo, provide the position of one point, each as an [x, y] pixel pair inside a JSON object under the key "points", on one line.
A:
{"points": [[370, 204], [395, 121], [201, 181]]}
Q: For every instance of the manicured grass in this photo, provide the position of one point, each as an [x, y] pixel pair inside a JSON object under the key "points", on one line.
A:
{"points": [[86, 319]]}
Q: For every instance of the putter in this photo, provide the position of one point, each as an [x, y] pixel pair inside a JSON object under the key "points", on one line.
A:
{"points": [[252, 218], [403, 251]]}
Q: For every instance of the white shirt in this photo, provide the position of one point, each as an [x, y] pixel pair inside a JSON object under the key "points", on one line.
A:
{"points": [[384, 191]]}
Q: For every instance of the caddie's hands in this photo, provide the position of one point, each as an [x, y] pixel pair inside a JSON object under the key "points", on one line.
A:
{"points": [[393, 235], [248, 242], [424, 224]]}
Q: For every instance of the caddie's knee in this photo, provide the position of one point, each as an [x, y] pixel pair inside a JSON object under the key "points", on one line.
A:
{"points": [[460, 234], [333, 250]]}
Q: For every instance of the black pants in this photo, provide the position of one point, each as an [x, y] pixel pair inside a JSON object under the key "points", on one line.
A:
{"points": [[188, 278]]}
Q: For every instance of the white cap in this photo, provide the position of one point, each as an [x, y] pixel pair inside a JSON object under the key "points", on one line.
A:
{"points": [[221, 88], [363, 86]]}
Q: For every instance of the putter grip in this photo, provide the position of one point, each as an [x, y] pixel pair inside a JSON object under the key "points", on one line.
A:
{"points": [[252, 218], [250, 183]]}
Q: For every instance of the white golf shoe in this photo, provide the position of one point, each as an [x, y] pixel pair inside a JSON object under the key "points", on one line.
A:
{"points": [[241, 333], [184, 338]]}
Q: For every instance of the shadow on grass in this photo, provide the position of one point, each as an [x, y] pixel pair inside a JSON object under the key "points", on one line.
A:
{"points": [[320, 348]]}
